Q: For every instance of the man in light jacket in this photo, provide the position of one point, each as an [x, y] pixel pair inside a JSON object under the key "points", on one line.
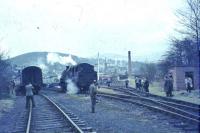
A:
{"points": [[29, 95]]}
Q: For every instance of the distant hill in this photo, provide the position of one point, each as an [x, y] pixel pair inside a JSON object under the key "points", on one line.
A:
{"points": [[36, 58], [53, 63]]}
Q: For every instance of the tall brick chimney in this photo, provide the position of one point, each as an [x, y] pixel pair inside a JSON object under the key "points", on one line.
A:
{"points": [[129, 64]]}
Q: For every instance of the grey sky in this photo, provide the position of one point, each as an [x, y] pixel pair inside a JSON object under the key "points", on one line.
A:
{"points": [[84, 27]]}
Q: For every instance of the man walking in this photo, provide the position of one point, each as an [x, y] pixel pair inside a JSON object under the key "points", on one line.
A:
{"points": [[93, 91], [29, 95]]}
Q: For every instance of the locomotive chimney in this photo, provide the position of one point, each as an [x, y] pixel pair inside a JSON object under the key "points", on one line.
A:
{"points": [[129, 64]]}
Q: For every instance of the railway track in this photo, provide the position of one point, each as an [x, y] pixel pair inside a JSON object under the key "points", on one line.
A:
{"points": [[47, 116], [183, 105], [189, 118]]}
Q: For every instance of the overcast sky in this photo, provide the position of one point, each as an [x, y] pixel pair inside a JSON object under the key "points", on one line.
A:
{"points": [[86, 27]]}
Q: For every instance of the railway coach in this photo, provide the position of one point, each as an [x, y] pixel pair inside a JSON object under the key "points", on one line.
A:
{"points": [[33, 75]]}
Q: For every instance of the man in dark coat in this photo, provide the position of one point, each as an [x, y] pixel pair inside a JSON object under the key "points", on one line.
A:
{"points": [[146, 85], [63, 85], [168, 86], [93, 91], [126, 83], [137, 83]]}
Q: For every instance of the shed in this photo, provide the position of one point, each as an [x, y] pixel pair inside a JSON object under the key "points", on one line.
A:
{"points": [[179, 74]]}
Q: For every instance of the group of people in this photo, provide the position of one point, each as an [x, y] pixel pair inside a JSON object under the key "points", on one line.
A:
{"points": [[92, 89], [168, 84], [29, 92], [142, 84]]}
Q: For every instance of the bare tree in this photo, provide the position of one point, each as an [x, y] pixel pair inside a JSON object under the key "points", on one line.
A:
{"points": [[182, 52], [149, 71], [190, 20], [5, 71], [185, 52]]}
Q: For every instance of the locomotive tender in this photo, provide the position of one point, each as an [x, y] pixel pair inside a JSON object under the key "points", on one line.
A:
{"points": [[82, 75], [33, 75]]}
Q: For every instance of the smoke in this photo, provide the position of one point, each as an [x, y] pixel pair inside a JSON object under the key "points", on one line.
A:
{"points": [[64, 60], [71, 87], [40, 63]]}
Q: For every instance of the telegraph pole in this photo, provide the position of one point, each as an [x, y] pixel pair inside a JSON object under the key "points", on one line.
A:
{"points": [[129, 64], [98, 69]]}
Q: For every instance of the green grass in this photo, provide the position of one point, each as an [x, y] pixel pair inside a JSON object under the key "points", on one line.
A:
{"points": [[107, 91], [5, 106], [156, 88]]}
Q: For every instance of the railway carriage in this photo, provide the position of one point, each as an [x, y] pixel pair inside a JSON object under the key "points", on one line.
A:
{"points": [[33, 75]]}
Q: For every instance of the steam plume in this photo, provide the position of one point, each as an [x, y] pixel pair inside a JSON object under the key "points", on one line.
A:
{"points": [[71, 87], [64, 60]]}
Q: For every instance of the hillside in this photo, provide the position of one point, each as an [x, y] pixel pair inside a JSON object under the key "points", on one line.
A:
{"points": [[52, 64], [37, 58]]}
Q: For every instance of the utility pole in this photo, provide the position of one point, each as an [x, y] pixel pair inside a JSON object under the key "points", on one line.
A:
{"points": [[129, 64], [98, 68], [105, 66]]}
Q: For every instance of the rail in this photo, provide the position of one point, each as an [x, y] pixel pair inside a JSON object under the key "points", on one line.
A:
{"points": [[73, 125]]}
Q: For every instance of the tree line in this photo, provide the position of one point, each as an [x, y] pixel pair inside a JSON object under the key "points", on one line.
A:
{"points": [[5, 72], [183, 51]]}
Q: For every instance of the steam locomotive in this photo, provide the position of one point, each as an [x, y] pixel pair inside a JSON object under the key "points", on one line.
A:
{"points": [[82, 75], [33, 75]]}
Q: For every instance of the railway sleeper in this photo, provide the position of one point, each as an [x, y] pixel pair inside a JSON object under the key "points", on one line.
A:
{"points": [[50, 120], [50, 130], [19, 129], [71, 116], [47, 118], [78, 122], [50, 126], [74, 118], [16, 131], [81, 124], [88, 129], [190, 129], [21, 122], [180, 125]]}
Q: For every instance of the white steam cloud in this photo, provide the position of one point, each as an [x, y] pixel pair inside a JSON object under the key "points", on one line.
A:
{"points": [[64, 60], [41, 64], [71, 87]]}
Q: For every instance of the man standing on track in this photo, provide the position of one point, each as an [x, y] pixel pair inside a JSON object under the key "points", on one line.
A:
{"points": [[93, 91], [29, 95]]}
